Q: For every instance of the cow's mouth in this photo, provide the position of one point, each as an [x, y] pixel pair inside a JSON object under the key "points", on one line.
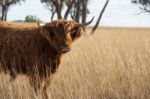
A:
{"points": [[65, 49]]}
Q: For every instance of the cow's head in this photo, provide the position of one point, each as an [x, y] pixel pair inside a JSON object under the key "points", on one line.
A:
{"points": [[61, 33]]}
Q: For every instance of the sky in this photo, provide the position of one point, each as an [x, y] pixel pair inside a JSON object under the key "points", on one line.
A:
{"points": [[118, 13]]}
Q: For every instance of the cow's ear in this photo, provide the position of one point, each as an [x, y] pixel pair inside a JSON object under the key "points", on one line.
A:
{"points": [[76, 33]]}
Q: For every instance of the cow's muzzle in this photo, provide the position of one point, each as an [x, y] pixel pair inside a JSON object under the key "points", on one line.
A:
{"points": [[65, 48]]}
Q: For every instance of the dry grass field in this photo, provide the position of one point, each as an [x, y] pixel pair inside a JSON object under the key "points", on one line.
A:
{"points": [[114, 63]]}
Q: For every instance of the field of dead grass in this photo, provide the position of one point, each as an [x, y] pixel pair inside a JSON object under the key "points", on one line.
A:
{"points": [[114, 63]]}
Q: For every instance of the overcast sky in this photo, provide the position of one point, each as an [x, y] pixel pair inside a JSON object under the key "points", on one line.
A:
{"points": [[118, 12]]}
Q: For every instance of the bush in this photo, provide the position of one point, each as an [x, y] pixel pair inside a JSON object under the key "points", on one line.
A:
{"points": [[31, 18]]}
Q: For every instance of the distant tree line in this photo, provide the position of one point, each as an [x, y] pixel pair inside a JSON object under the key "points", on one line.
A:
{"points": [[75, 9], [4, 7], [144, 3], [32, 18]]}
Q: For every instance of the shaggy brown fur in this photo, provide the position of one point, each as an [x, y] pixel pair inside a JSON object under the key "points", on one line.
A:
{"points": [[35, 50]]}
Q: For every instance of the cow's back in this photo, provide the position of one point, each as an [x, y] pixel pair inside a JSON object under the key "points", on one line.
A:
{"points": [[17, 44]]}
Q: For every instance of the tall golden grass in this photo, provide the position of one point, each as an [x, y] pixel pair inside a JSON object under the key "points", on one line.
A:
{"points": [[114, 63]]}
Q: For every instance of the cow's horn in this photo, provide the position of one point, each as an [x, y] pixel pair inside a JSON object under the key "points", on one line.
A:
{"points": [[84, 24], [41, 24]]}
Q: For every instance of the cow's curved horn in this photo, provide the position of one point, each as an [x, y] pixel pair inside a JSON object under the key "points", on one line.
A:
{"points": [[41, 24], [84, 24]]}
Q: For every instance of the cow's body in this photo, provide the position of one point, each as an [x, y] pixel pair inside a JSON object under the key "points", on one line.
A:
{"points": [[24, 50], [35, 50]]}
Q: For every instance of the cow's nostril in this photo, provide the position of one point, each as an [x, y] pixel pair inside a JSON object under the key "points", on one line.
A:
{"points": [[65, 48], [66, 45]]}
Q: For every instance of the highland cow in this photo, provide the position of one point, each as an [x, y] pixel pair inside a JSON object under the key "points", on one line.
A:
{"points": [[36, 51]]}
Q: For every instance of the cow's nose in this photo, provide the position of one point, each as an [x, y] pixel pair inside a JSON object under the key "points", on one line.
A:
{"points": [[66, 45], [65, 48]]}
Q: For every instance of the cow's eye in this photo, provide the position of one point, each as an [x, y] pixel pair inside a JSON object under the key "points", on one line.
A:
{"points": [[73, 32]]}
